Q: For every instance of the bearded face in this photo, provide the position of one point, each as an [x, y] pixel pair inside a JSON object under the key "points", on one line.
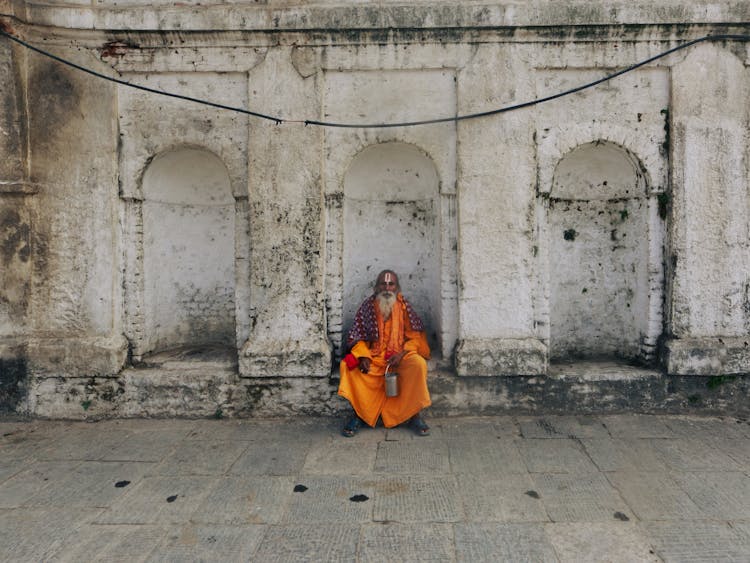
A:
{"points": [[386, 288], [385, 300]]}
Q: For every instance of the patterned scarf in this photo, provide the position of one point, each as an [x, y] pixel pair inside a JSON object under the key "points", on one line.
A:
{"points": [[365, 325]]}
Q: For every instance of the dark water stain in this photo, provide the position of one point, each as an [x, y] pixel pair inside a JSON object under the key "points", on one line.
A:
{"points": [[359, 498], [621, 516], [121, 484], [532, 494], [299, 488], [172, 498]]}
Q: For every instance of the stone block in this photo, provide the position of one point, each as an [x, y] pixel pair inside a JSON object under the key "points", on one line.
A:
{"points": [[504, 356], [511, 498], [707, 356], [504, 542], [240, 501], [698, 541], [77, 357], [308, 358], [159, 500], [309, 542], [208, 543], [406, 542]]}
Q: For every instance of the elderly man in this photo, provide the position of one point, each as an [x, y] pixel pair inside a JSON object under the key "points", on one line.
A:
{"points": [[386, 335]]}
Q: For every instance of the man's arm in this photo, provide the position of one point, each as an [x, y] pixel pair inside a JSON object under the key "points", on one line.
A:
{"points": [[416, 341], [364, 357]]}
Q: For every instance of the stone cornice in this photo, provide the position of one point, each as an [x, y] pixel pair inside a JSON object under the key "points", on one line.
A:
{"points": [[279, 15]]}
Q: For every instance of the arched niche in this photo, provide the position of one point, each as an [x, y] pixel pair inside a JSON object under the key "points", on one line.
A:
{"points": [[391, 219], [188, 215], [599, 254]]}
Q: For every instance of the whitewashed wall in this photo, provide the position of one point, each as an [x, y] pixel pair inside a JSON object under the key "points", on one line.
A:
{"points": [[501, 286]]}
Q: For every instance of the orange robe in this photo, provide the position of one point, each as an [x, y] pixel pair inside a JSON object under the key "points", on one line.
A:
{"points": [[366, 391]]}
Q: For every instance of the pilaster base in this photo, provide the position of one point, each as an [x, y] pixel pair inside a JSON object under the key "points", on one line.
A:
{"points": [[279, 358], [707, 356], [501, 356], [77, 357]]}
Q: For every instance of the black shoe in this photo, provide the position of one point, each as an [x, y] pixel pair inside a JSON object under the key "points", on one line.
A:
{"points": [[420, 426], [351, 427]]}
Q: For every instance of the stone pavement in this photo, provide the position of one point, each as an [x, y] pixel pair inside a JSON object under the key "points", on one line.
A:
{"points": [[507, 488]]}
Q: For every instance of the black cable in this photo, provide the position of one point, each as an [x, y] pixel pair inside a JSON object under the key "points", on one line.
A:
{"points": [[279, 121], [137, 86]]}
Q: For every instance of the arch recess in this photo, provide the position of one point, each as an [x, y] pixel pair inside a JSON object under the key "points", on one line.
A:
{"points": [[601, 225], [188, 252], [392, 219]]}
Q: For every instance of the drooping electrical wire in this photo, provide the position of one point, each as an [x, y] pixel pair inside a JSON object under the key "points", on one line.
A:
{"points": [[333, 124]]}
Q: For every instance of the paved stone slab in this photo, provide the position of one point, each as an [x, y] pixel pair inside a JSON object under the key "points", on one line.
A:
{"points": [[160, 500], [175, 427], [485, 456], [404, 433], [707, 428], [637, 426], [476, 543], [417, 499], [231, 430], [623, 454], [209, 543], [340, 457], [141, 444], [743, 527], [21, 441], [35, 534], [82, 442], [510, 498], [423, 456], [738, 450], [110, 543], [266, 430], [17, 490], [246, 500], [720, 495], [272, 458], [92, 483], [406, 542], [328, 499], [654, 496], [698, 541], [312, 542], [580, 498], [9, 468], [594, 542], [564, 427], [555, 456], [694, 455], [201, 458], [477, 428]]}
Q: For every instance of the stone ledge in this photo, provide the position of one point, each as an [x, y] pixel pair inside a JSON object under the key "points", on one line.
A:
{"points": [[590, 371]]}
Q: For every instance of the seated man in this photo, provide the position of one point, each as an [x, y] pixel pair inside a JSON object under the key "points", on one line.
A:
{"points": [[386, 333]]}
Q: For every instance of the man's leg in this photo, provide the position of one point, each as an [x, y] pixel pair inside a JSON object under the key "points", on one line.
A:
{"points": [[365, 392], [413, 395]]}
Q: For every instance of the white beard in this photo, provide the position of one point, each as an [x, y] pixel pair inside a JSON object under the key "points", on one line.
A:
{"points": [[386, 300]]}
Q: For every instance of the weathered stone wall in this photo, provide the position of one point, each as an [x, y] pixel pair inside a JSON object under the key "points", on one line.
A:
{"points": [[710, 238], [611, 224]]}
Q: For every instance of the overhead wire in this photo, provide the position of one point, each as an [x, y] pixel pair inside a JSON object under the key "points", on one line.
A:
{"points": [[334, 124]]}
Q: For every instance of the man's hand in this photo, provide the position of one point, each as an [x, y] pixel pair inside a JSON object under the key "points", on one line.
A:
{"points": [[364, 364], [394, 360]]}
